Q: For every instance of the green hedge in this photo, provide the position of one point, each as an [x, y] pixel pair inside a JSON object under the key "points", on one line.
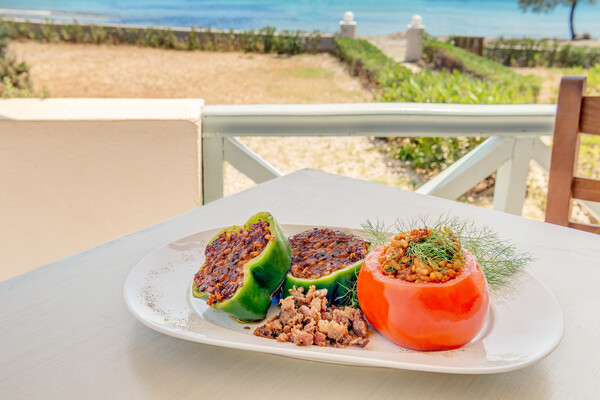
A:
{"points": [[476, 81], [540, 53], [265, 40], [460, 77]]}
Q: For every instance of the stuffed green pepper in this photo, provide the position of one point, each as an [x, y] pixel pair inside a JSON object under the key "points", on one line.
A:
{"points": [[327, 259], [244, 266]]}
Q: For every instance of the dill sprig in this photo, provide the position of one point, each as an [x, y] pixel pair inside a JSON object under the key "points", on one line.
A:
{"points": [[376, 233], [499, 259], [440, 245], [350, 298]]}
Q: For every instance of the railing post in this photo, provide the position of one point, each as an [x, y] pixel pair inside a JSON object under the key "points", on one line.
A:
{"points": [[511, 180], [348, 25], [414, 39], [212, 166]]}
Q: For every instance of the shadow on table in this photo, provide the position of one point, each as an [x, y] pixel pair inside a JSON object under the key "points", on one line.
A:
{"points": [[166, 367]]}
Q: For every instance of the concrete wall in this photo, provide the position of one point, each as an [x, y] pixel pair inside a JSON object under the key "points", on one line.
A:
{"points": [[75, 173]]}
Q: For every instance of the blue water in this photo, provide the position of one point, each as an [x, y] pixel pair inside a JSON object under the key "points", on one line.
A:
{"points": [[492, 18]]}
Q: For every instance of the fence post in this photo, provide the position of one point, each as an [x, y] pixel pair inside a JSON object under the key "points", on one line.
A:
{"points": [[414, 39], [474, 44], [511, 180], [212, 166], [348, 25]]}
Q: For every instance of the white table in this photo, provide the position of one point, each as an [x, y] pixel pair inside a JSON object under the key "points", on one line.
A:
{"points": [[66, 333]]}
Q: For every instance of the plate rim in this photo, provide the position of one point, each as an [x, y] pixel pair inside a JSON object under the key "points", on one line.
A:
{"points": [[301, 352]]}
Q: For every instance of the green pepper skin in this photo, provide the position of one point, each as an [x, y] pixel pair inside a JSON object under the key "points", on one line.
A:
{"points": [[263, 274], [338, 283]]}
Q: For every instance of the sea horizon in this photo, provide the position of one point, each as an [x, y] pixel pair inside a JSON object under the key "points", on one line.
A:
{"points": [[491, 18]]}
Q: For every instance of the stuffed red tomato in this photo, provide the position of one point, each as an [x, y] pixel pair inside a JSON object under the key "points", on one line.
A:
{"points": [[421, 297]]}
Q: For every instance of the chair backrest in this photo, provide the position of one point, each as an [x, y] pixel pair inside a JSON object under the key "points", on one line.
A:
{"points": [[575, 114]]}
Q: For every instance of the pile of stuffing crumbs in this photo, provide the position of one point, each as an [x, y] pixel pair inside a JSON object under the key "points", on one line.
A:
{"points": [[306, 320]]}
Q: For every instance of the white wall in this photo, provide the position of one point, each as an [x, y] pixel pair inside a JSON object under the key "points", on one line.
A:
{"points": [[75, 173]]}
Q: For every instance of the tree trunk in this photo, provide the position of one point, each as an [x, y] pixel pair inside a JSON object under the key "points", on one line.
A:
{"points": [[574, 4]]}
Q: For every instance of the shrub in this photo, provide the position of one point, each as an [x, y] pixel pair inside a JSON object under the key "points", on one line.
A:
{"points": [[72, 33], [14, 77], [429, 155], [193, 43], [461, 77], [249, 42], [4, 38], [160, 38], [540, 53], [289, 43], [266, 40]]}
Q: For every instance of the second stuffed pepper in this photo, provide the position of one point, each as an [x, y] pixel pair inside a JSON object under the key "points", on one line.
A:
{"points": [[327, 259]]}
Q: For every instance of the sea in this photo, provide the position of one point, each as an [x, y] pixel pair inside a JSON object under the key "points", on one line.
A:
{"points": [[490, 18]]}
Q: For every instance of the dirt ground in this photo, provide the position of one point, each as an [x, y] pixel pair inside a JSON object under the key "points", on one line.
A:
{"points": [[79, 70]]}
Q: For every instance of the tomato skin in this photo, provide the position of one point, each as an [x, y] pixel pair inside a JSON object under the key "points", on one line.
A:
{"points": [[424, 316]]}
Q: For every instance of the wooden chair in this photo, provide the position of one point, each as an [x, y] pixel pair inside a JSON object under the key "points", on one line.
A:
{"points": [[575, 114]]}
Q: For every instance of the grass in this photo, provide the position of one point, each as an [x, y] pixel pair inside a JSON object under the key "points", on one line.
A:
{"points": [[309, 73], [504, 86], [472, 63]]}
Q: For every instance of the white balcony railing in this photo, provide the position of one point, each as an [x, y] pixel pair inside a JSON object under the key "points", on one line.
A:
{"points": [[514, 132], [78, 172]]}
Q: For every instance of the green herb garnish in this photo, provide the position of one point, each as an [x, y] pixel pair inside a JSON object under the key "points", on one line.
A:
{"points": [[499, 259], [377, 232], [350, 298], [440, 245]]}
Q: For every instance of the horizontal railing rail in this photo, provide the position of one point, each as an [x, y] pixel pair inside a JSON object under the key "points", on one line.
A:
{"points": [[378, 119], [514, 132]]}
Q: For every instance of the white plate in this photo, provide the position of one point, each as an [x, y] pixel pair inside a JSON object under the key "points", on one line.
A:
{"points": [[523, 326]]}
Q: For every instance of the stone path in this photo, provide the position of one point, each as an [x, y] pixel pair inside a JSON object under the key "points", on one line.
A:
{"points": [[394, 46]]}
